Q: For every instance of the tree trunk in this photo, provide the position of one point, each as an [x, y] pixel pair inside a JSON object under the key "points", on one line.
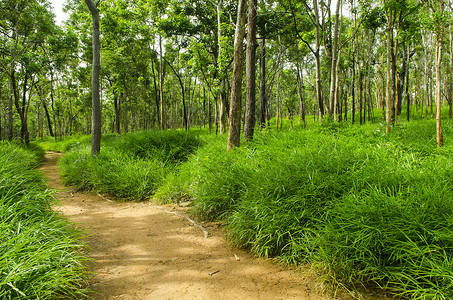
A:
{"points": [[161, 86], [117, 103], [250, 97], [263, 99], [10, 118], [401, 79], [408, 96], [234, 130], [389, 102], [46, 111], [156, 94], [20, 108], [318, 60], [221, 109], [334, 65], [450, 102], [96, 101], [439, 36], [426, 76], [353, 86], [300, 85]]}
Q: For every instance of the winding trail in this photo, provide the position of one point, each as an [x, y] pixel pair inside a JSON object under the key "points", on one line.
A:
{"points": [[140, 251]]}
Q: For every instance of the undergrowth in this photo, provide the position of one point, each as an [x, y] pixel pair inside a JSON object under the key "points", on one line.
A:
{"points": [[40, 255], [132, 166], [362, 206]]}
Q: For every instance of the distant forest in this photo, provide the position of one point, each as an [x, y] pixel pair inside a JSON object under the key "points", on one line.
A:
{"points": [[168, 64]]}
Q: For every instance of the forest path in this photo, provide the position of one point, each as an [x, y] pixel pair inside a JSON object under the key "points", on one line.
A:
{"points": [[141, 251]]}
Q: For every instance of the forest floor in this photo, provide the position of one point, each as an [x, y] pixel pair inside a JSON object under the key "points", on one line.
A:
{"points": [[144, 251]]}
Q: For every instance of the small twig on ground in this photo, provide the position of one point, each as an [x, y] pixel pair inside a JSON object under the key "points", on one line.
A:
{"points": [[206, 233], [106, 198]]}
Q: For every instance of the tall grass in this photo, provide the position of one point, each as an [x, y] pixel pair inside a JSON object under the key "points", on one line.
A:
{"points": [[40, 256], [364, 206], [132, 166]]}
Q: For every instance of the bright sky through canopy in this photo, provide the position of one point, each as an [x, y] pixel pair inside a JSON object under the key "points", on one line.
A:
{"points": [[58, 11]]}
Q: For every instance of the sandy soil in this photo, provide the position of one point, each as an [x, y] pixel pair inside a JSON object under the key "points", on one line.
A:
{"points": [[142, 251]]}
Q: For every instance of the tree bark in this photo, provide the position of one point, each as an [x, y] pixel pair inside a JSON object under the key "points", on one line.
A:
{"points": [[318, 60], [117, 103], [263, 99], [334, 65], [450, 96], [10, 119], [49, 123], [300, 85], [439, 36], [234, 130], [96, 99], [250, 96], [389, 102], [20, 108], [161, 87]]}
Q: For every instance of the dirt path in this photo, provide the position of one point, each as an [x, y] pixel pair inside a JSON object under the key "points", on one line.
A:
{"points": [[143, 252]]}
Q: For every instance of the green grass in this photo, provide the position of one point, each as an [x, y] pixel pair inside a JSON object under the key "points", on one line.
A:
{"points": [[40, 253], [362, 206], [130, 167]]}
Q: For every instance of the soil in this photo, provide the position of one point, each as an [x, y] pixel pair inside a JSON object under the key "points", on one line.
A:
{"points": [[144, 251]]}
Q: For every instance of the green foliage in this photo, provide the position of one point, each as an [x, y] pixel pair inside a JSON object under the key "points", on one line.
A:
{"points": [[364, 206], [40, 256], [132, 166]]}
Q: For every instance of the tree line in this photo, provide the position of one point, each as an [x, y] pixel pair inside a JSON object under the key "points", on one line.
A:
{"points": [[170, 64]]}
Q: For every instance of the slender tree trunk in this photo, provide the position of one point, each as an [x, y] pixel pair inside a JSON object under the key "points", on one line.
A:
{"points": [[426, 76], [20, 108], [263, 98], [250, 98], [221, 109], [450, 102], [361, 117], [401, 79], [334, 65], [46, 111], [161, 86], [96, 122], [234, 130], [408, 96], [10, 118], [300, 85], [389, 102], [439, 36], [156, 94], [277, 102], [117, 103], [223, 117], [353, 86], [318, 60]]}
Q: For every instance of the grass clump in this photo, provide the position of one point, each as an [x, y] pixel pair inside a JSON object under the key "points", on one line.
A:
{"points": [[40, 255], [130, 167], [401, 240]]}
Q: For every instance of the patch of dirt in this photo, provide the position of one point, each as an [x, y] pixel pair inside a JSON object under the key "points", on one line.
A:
{"points": [[141, 251]]}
